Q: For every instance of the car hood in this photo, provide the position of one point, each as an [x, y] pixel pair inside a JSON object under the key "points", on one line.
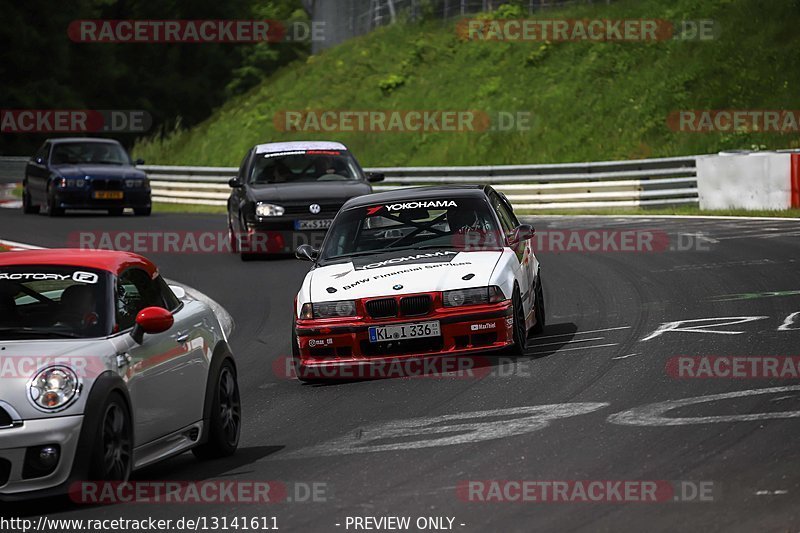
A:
{"points": [[20, 361], [100, 171], [312, 190], [402, 272]]}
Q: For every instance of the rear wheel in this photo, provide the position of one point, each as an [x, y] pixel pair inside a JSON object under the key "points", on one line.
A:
{"points": [[226, 416], [112, 457], [539, 309]]}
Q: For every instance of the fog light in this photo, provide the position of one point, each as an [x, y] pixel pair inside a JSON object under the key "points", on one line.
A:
{"points": [[41, 461]]}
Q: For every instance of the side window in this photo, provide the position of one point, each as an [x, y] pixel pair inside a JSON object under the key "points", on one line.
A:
{"points": [[506, 218], [171, 302], [509, 210], [135, 291]]}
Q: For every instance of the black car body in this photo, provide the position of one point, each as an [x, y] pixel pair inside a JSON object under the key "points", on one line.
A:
{"points": [[286, 194], [84, 173]]}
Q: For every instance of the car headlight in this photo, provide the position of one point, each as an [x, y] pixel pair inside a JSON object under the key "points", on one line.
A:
{"points": [[135, 183], [70, 182], [476, 296], [54, 388], [335, 309], [268, 210]]}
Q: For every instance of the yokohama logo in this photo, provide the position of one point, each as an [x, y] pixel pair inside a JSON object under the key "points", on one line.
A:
{"points": [[417, 257], [420, 205]]}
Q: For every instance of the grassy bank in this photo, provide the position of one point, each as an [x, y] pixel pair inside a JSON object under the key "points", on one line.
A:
{"points": [[589, 101]]}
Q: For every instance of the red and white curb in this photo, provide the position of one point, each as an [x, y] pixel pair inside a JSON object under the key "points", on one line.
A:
{"points": [[17, 246], [7, 199]]}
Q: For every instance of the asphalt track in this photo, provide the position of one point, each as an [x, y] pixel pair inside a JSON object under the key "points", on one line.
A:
{"points": [[592, 356]]}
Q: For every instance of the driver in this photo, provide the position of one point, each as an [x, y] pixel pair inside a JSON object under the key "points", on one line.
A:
{"points": [[78, 307], [324, 166]]}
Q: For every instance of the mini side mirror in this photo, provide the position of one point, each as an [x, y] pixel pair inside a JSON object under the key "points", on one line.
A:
{"points": [[306, 252], [139, 162], [373, 177], [151, 320], [234, 183]]}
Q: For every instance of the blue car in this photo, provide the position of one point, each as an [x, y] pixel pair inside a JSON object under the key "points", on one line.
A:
{"points": [[84, 173]]}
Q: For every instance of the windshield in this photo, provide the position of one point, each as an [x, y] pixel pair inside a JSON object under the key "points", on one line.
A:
{"points": [[304, 166], [53, 302], [460, 223], [96, 153]]}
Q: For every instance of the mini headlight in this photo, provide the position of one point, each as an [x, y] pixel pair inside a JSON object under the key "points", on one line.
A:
{"points": [[335, 309], [457, 298], [307, 312], [268, 210], [54, 388], [134, 183]]}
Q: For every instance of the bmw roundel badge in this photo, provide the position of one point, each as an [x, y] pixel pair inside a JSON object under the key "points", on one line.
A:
{"points": [[397, 287]]}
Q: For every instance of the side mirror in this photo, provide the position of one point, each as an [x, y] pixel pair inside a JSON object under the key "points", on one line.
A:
{"points": [[373, 177], [151, 320], [306, 252], [523, 232], [38, 160], [139, 162], [234, 183]]}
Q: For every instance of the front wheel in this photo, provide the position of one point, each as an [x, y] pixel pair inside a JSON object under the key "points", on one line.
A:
{"points": [[225, 423], [112, 457], [53, 209], [27, 205], [520, 330]]}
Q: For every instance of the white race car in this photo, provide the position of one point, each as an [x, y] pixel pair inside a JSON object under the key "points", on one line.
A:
{"points": [[428, 271]]}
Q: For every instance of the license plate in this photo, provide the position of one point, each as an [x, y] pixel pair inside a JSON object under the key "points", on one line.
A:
{"points": [[108, 195], [404, 331], [323, 223]]}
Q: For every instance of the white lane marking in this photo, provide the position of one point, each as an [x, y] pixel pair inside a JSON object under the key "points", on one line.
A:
{"points": [[20, 245], [778, 492], [566, 342], [573, 349], [676, 326], [788, 321], [625, 356], [654, 414], [582, 332], [446, 430]]}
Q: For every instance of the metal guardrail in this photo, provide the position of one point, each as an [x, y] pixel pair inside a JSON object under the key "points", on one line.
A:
{"points": [[644, 182]]}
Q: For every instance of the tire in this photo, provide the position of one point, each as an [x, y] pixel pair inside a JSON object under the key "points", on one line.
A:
{"points": [[233, 238], [142, 211], [539, 307], [112, 451], [520, 331], [116, 211], [27, 206], [52, 209], [225, 423]]}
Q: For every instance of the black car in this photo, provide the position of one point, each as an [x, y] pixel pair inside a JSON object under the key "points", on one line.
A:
{"points": [[286, 194], [84, 173]]}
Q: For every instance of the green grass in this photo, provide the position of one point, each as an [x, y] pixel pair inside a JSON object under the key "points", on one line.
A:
{"points": [[188, 208], [590, 101], [17, 191]]}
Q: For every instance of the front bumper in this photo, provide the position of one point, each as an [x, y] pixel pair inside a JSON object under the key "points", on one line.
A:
{"points": [[470, 330], [83, 199], [278, 241], [64, 431]]}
